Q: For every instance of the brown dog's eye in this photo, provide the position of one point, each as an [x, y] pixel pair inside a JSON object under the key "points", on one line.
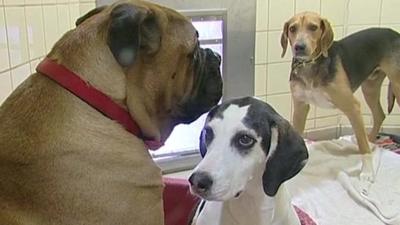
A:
{"points": [[292, 29], [312, 27]]}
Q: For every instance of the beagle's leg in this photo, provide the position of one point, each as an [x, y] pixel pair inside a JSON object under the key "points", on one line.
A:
{"points": [[396, 89], [395, 83], [371, 89], [342, 97], [300, 111], [392, 69], [350, 106]]}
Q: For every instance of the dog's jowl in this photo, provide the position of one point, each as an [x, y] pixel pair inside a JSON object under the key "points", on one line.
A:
{"points": [[73, 135], [249, 152]]}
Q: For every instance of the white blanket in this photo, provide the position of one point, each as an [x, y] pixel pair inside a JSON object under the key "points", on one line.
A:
{"points": [[326, 187]]}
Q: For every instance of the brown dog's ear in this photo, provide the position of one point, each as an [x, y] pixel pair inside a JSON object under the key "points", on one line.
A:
{"points": [[326, 37], [89, 14], [286, 157], [284, 38], [131, 29]]}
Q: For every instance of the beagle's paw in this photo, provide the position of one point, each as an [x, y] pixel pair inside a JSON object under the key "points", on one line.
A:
{"points": [[367, 175]]}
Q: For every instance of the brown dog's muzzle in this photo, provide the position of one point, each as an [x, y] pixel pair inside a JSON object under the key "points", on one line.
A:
{"points": [[207, 89]]}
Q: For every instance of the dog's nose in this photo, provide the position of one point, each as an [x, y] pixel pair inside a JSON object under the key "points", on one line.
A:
{"points": [[201, 181], [211, 52], [300, 47], [218, 56]]}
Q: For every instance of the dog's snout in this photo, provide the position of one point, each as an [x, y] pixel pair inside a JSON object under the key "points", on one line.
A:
{"points": [[215, 54], [201, 181], [300, 47], [218, 56]]}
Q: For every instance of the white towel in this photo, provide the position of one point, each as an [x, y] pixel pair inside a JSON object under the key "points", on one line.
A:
{"points": [[317, 190], [383, 196]]}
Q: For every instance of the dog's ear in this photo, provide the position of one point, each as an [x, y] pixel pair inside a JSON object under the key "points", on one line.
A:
{"points": [[326, 37], [284, 38], [89, 14], [131, 29], [286, 157]]}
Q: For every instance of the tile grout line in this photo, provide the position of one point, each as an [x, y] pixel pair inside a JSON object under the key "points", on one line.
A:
{"points": [[27, 39], [45, 4], [8, 46], [380, 12], [267, 45], [20, 64], [44, 30]]}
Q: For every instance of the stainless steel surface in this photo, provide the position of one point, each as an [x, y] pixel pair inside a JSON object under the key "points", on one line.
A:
{"points": [[240, 42]]}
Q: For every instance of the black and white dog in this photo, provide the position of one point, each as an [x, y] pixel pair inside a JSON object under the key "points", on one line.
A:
{"points": [[249, 151]]}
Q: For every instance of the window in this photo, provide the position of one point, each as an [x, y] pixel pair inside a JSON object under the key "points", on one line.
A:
{"points": [[181, 149]]}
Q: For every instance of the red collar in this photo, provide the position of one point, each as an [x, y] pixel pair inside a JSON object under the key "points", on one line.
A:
{"points": [[93, 97]]}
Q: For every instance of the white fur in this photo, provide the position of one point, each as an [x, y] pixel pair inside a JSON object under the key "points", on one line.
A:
{"points": [[313, 96], [232, 172]]}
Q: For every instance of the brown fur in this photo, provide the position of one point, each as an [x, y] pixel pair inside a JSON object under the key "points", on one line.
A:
{"points": [[310, 75], [318, 41], [62, 162]]}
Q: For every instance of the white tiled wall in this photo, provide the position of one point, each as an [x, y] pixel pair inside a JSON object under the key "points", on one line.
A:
{"points": [[28, 30], [346, 17]]}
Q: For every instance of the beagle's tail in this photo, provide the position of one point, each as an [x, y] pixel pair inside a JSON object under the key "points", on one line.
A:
{"points": [[390, 98]]}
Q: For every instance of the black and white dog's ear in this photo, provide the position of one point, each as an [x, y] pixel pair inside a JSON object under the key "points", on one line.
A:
{"points": [[286, 157], [132, 28]]}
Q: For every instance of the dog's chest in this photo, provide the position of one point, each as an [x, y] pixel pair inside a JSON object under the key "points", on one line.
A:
{"points": [[241, 211], [311, 95]]}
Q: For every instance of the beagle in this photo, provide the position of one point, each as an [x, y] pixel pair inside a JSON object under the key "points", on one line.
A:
{"points": [[249, 151], [326, 73]]}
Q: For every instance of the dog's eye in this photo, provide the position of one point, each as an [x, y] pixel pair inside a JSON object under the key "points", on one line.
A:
{"points": [[246, 141], [292, 29], [312, 27]]}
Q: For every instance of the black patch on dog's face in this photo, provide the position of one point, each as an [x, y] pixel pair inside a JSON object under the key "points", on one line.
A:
{"points": [[260, 117], [218, 111], [290, 154], [209, 135], [243, 142]]}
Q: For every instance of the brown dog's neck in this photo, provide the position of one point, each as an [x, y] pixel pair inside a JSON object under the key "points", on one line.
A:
{"points": [[76, 51], [314, 72], [106, 75]]}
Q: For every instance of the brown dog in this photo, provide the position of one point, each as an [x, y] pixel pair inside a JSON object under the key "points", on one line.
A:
{"points": [[326, 73], [64, 162]]}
